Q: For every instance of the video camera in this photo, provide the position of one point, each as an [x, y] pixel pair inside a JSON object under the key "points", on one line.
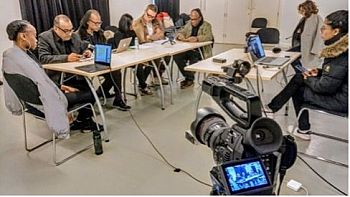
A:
{"points": [[249, 154], [170, 34]]}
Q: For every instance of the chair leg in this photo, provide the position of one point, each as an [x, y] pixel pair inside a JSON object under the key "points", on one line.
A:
{"points": [[103, 92], [26, 139], [57, 163]]}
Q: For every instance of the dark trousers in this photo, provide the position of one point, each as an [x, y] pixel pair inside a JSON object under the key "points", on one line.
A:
{"points": [[181, 60], [297, 61], [115, 82], [84, 95], [295, 90], [142, 74]]}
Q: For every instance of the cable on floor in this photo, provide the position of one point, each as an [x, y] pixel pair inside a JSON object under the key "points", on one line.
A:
{"points": [[162, 156], [325, 180]]}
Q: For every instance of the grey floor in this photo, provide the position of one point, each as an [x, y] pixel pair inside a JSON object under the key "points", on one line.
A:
{"points": [[129, 165]]}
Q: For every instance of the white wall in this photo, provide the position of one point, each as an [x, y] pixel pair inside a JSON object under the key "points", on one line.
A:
{"points": [[119, 7], [289, 16], [10, 11]]}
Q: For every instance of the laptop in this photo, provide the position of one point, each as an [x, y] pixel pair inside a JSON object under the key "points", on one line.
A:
{"points": [[257, 53], [123, 45], [102, 59]]}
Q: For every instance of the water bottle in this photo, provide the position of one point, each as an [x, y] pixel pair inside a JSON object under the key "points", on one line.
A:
{"points": [[137, 45], [97, 142]]}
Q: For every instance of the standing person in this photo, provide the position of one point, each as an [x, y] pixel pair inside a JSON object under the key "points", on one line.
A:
{"points": [[55, 98], [326, 87], [91, 32], [198, 30], [148, 29], [306, 36]]}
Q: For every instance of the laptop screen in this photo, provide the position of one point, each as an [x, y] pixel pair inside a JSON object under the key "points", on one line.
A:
{"points": [[255, 46], [103, 54]]}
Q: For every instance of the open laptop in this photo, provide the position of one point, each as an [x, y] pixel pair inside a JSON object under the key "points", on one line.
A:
{"points": [[257, 52], [123, 45], [102, 59]]}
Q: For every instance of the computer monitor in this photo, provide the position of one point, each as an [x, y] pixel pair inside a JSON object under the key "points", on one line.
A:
{"points": [[246, 176], [103, 54]]}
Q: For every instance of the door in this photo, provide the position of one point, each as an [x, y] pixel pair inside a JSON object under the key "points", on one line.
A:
{"points": [[213, 12], [237, 21], [259, 10]]}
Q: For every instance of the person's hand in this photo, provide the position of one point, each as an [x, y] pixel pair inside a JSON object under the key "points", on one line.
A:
{"points": [[87, 54], [73, 57], [181, 37], [68, 89], [192, 39], [70, 118], [314, 72], [306, 74]]}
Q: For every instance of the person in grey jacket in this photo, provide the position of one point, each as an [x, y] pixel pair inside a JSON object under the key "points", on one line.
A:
{"points": [[307, 37], [326, 88], [19, 60]]}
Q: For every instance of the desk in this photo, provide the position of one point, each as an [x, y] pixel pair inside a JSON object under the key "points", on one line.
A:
{"points": [[128, 58], [209, 67]]}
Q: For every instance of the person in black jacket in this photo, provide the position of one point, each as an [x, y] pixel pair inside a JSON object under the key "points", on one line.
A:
{"points": [[125, 31], [326, 88], [91, 32]]}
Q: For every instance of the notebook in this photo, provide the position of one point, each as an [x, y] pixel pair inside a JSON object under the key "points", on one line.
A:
{"points": [[123, 45], [257, 52], [102, 59]]}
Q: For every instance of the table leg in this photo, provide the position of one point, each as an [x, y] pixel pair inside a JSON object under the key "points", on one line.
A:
{"points": [[106, 136], [286, 81], [170, 80], [160, 84]]}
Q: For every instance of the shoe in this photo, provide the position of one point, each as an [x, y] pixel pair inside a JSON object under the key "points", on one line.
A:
{"points": [[164, 81], [85, 126], [145, 91], [302, 134], [121, 105], [185, 84]]}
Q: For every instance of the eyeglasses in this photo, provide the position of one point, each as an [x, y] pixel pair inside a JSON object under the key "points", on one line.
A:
{"points": [[150, 15], [96, 23], [195, 19], [66, 31]]}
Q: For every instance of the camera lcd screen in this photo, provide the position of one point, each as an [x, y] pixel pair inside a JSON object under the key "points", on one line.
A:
{"points": [[245, 175]]}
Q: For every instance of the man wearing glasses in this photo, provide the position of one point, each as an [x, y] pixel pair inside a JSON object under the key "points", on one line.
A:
{"points": [[59, 44], [146, 27], [197, 30]]}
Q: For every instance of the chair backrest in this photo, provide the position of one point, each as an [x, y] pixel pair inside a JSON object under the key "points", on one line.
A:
{"points": [[259, 23], [111, 28], [181, 21], [25, 89], [269, 35]]}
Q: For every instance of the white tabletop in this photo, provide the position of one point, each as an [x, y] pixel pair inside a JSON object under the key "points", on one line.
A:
{"points": [[131, 57], [210, 67]]}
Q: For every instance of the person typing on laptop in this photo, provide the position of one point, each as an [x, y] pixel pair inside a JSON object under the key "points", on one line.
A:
{"points": [[90, 31]]}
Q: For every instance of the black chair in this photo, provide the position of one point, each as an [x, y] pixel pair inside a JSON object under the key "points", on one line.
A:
{"points": [[28, 94], [259, 23], [338, 115], [112, 28], [269, 35]]}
